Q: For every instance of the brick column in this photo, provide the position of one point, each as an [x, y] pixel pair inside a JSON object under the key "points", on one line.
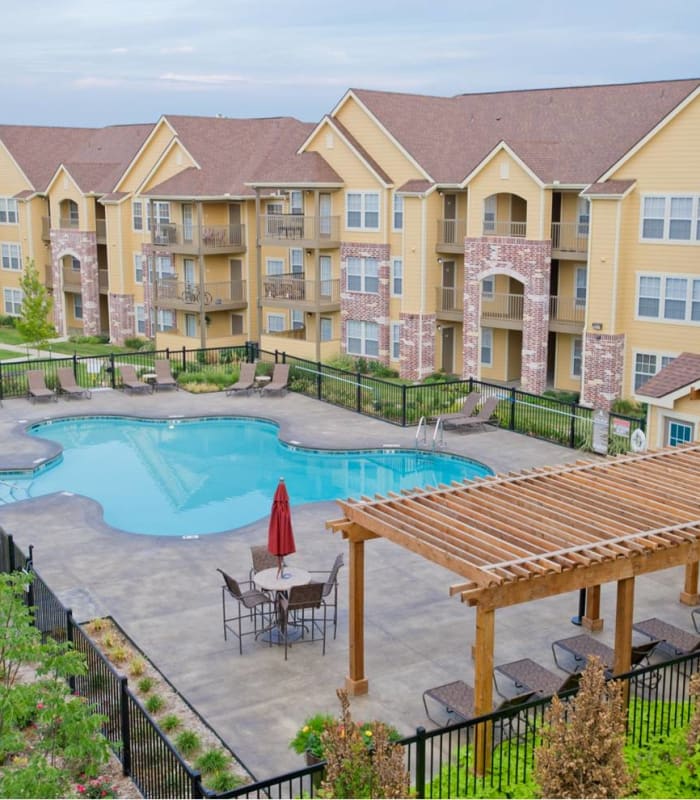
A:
{"points": [[603, 369], [83, 246], [417, 346], [122, 317]]}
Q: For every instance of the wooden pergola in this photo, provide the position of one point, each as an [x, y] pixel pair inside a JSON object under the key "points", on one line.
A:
{"points": [[534, 534]]}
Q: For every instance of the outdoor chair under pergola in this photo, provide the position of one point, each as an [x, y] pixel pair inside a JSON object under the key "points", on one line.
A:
{"points": [[535, 534]]}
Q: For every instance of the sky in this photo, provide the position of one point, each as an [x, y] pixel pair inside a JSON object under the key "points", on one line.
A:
{"points": [[102, 62]]}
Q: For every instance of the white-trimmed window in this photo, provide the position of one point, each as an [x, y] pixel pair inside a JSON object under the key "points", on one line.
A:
{"points": [[12, 302], [166, 320], [326, 329], [138, 267], [275, 323], [137, 215], [297, 320], [396, 340], [584, 216], [164, 268], [274, 266], [671, 218], [296, 260], [8, 211], [488, 286], [78, 306], [490, 214], [296, 202], [362, 211], [140, 312], [363, 275], [397, 277], [674, 298], [678, 432], [191, 325], [646, 365], [362, 338], [576, 357], [398, 212], [11, 256], [158, 213], [580, 286], [487, 346]]}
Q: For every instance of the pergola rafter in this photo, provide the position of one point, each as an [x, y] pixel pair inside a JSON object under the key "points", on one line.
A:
{"points": [[537, 533]]}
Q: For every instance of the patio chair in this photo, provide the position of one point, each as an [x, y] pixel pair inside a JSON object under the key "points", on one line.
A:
{"points": [[164, 375], [262, 559], [251, 604], [481, 418], [695, 616], [245, 383], [69, 386], [131, 382], [670, 639], [330, 587], [527, 675], [468, 408], [279, 382], [457, 698], [304, 608], [38, 390], [583, 646]]}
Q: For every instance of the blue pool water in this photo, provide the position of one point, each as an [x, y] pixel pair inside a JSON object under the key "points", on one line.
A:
{"points": [[198, 476]]}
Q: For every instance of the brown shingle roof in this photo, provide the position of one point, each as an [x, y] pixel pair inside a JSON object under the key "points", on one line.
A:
{"points": [[233, 153], [682, 371], [416, 186], [572, 135], [95, 157], [363, 152], [608, 188]]}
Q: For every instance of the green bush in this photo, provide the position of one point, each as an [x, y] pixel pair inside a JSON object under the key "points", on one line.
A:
{"points": [[154, 703], [188, 742], [170, 722], [213, 760], [145, 685], [222, 781], [6, 321], [136, 343]]}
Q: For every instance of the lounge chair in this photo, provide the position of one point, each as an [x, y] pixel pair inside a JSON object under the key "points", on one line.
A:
{"points": [[131, 382], [481, 418], [583, 646], [674, 640], [457, 698], [245, 383], [68, 385], [468, 408], [528, 675], [279, 382], [164, 375], [38, 390]]}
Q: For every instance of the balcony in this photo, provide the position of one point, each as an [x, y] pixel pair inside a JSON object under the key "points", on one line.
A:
{"points": [[293, 289], [449, 303], [497, 227], [566, 314], [48, 276], [46, 229], [101, 231], [300, 231], [450, 235], [180, 295], [71, 280], [569, 240], [502, 310], [103, 281], [69, 223], [199, 240]]}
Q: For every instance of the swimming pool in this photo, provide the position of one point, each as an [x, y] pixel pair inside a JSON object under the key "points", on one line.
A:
{"points": [[183, 477]]}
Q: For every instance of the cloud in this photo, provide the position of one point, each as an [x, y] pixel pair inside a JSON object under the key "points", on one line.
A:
{"points": [[214, 79], [182, 48], [119, 50], [98, 82]]}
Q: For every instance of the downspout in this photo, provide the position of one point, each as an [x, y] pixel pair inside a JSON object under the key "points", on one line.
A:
{"points": [[202, 284], [423, 280], [616, 259], [258, 264]]}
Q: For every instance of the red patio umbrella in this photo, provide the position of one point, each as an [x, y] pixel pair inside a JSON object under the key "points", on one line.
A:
{"points": [[280, 537]]}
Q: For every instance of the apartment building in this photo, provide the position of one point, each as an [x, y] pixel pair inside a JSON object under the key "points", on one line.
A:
{"points": [[547, 238]]}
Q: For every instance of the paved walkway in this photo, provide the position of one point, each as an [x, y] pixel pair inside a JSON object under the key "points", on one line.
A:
{"points": [[165, 592]]}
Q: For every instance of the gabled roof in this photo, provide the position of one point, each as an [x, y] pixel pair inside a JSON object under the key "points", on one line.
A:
{"points": [[679, 374], [234, 153], [94, 157], [608, 188], [571, 135]]}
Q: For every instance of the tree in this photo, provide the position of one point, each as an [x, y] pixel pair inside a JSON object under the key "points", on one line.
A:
{"points": [[35, 317]]}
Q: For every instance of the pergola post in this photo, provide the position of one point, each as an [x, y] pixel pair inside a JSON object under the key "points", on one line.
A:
{"points": [[356, 682], [483, 687], [623, 626], [689, 595], [592, 619]]}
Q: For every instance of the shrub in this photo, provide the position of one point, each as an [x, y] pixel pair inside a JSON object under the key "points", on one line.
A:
{"points": [[170, 722], [137, 666], [213, 760], [308, 737], [582, 751], [223, 781], [6, 321], [118, 654], [96, 787], [136, 343], [154, 703], [145, 685], [188, 742]]}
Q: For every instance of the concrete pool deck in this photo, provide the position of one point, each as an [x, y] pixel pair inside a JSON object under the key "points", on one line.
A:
{"points": [[165, 592]]}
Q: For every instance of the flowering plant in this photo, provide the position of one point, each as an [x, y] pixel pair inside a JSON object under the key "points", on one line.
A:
{"points": [[96, 787], [308, 737]]}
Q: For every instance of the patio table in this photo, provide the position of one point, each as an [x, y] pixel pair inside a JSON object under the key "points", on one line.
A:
{"points": [[268, 580]]}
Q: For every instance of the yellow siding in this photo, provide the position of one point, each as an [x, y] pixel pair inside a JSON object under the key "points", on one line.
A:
{"points": [[174, 161], [145, 161], [601, 266], [563, 379]]}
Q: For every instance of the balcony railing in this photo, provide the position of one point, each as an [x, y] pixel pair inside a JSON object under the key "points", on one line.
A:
{"points": [[504, 228], [451, 233], [502, 306], [324, 231], [220, 295], [570, 237], [71, 278], [449, 300], [295, 333], [68, 222], [46, 229], [196, 238], [101, 230], [103, 280], [567, 309], [294, 287]]}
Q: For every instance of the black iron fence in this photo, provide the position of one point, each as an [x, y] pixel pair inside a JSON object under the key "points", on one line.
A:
{"points": [[464, 759], [399, 403]]}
